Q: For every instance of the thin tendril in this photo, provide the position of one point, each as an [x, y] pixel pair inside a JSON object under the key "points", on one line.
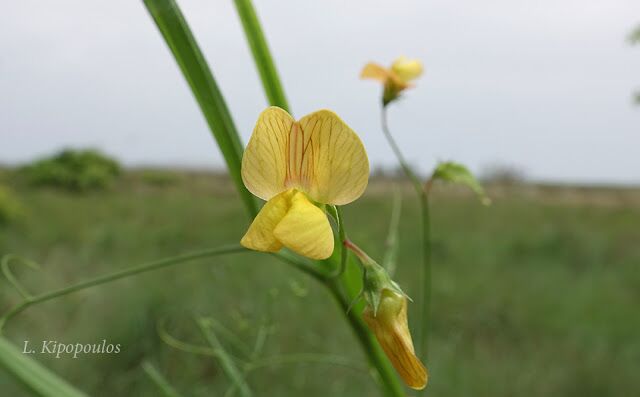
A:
{"points": [[6, 270]]}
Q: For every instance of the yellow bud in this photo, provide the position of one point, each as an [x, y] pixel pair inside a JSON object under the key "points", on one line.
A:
{"points": [[391, 329], [407, 69]]}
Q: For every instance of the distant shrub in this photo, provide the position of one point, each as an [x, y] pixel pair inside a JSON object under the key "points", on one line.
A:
{"points": [[76, 170], [10, 207]]}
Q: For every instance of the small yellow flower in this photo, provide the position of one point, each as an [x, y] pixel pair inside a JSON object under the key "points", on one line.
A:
{"points": [[389, 325], [294, 165], [395, 79]]}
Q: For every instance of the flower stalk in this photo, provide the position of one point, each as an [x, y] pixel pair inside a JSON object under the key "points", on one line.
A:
{"points": [[422, 192]]}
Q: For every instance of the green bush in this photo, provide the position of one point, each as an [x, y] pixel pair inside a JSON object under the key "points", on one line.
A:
{"points": [[10, 207], [75, 170]]}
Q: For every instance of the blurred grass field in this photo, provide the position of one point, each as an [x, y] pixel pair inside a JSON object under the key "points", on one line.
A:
{"points": [[537, 295]]}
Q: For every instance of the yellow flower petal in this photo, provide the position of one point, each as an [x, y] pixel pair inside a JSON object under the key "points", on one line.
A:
{"points": [[260, 235], [334, 164], [391, 329], [407, 69], [305, 229], [375, 72], [319, 155], [264, 163]]}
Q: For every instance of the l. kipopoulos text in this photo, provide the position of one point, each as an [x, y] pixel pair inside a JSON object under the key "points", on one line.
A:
{"points": [[75, 350]]}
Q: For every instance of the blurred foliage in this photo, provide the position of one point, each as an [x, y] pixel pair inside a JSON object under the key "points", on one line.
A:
{"points": [[159, 177], [543, 286], [10, 207], [73, 170]]}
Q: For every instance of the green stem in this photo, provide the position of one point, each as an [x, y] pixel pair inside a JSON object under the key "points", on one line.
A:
{"points": [[261, 55], [424, 292], [396, 150], [116, 276], [342, 237]]}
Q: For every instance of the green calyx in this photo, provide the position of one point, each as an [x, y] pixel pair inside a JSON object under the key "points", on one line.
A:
{"points": [[375, 280], [391, 93]]}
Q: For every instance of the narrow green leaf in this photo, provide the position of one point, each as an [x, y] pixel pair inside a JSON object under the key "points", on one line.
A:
{"points": [[180, 40], [156, 377], [37, 378], [264, 62], [458, 173]]}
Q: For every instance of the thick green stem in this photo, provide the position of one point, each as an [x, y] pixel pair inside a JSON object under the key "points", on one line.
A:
{"points": [[116, 276], [424, 291]]}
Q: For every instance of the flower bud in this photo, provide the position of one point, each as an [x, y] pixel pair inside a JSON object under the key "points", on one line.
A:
{"points": [[389, 324]]}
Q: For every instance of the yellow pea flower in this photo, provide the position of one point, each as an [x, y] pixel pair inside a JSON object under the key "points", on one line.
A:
{"points": [[389, 325], [395, 79], [294, 165]]}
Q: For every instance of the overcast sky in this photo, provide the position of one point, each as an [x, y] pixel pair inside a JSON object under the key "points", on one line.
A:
{"points": [[544, 86]]}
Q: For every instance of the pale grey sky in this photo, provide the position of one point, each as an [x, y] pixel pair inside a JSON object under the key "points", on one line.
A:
{"points": [[543, 85]]}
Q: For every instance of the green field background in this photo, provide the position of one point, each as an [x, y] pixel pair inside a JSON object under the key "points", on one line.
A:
{"points": [[536, 295]]}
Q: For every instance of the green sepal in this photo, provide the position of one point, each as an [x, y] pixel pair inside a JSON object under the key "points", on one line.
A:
{"points": [[375, 281]]}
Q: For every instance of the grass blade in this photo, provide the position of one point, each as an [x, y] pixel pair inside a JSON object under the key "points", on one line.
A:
{"points": [[264, 62], [156, 377], [180, 40], [226, 361], [37, 378]]}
